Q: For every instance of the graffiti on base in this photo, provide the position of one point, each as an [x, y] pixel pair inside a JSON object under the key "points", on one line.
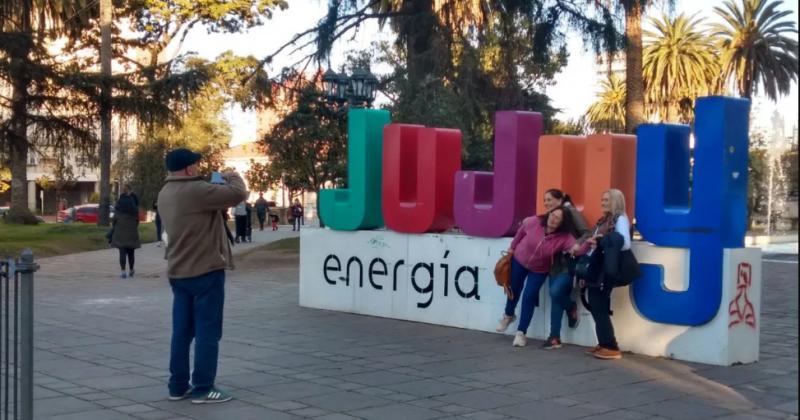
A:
{"points": [[741, 309]]}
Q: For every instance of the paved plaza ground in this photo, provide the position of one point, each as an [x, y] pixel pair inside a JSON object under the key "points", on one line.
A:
{"points": [[102, 347]]}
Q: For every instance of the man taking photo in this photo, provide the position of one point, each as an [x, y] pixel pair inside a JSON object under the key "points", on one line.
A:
{"points": [[197, 255]]}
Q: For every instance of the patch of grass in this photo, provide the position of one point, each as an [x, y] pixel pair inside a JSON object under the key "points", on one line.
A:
{"points": [[285, 245], [48, 239]]}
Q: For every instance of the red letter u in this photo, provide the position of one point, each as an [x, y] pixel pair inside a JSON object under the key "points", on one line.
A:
{"points": [[419, 166]]}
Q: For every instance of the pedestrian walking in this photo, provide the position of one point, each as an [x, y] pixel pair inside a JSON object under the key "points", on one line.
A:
{"points": [[297, 214], [198, 252], [262, 209], [125, 231]]}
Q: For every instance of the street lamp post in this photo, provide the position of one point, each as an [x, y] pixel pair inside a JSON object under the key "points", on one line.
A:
{"points": [[357, 90]]}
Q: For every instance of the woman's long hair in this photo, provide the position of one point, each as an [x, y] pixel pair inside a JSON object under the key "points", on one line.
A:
{"points": [[126, 205], [567, 224], [617, 199], [608, 220], [560, 195]]}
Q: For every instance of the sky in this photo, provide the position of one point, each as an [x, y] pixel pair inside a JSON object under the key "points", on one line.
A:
{"points": [[575, 88]]}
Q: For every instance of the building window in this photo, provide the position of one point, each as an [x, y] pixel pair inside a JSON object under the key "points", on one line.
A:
{"points": [[83, 161], [33, 158]]}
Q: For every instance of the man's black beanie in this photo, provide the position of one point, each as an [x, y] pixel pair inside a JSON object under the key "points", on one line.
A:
{"points": [[180, 158]]}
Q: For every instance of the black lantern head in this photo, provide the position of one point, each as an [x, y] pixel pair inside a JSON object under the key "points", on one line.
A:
{"points": [[358, 86], [330, 83], [370, 87], [342, 88]]}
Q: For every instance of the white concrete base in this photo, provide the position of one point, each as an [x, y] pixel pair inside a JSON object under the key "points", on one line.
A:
{"points": [[370, 273]]}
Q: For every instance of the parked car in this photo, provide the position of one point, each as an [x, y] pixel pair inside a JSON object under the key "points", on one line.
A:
{"points": [[86, 213]]}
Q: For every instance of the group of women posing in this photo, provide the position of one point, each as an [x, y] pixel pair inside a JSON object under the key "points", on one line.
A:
{"points": [[542, 249]]}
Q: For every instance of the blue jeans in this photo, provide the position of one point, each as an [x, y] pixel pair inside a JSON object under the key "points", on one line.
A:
{"points": [[530, 296], [560, 288], [196, 315]]}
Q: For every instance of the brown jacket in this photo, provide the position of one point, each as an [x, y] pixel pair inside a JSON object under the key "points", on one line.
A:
{"points": [[191, 212]]}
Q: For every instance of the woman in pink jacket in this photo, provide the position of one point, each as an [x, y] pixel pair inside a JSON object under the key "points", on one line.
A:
{"points": [[539, 240]]}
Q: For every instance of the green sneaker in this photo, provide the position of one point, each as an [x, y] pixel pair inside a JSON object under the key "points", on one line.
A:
{"points": [[180, 397], [213, 396]]}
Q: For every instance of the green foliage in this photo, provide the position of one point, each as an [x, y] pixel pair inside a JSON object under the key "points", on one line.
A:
{"points": [[607, 114], [307, 148], [757, 183], [159, 20], [680, 63], [569, 127], [148, 169], [758, 192], [201, 127], [55, 97], [241, 80], [790, 171], [37, 106], [261, 178], [759, 44], [61, 177], [94, 198], [5, 175], [498, 69]]}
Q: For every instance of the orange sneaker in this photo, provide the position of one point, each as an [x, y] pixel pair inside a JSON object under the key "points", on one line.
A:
{"points": [[608, 354], [593, 350]]}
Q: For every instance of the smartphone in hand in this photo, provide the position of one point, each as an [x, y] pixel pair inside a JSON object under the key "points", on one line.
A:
{"points": [[216, 178]]}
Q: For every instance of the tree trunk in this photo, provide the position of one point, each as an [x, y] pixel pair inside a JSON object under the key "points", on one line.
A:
{"points": [[419, 30], [319, 216], [20, 81], [105, 114], [747, 85], [634, 101]]}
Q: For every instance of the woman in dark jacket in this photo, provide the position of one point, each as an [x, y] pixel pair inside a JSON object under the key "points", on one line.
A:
{"points": [[611, 238], [125, 236]]}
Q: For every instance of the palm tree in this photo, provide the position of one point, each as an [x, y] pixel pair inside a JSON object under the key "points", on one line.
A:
{"points": [[757, 48], [634, 105], [679, 64], [607, 114], [634, 83]]}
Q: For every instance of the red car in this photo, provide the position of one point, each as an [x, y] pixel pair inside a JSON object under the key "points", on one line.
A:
{"points": [[85, 214]]}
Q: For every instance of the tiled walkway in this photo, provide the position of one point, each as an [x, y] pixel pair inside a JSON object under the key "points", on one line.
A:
{"points": [[102, 350]]}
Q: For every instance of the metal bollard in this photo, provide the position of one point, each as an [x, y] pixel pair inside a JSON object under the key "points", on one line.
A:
{"points": [[26, 267]]}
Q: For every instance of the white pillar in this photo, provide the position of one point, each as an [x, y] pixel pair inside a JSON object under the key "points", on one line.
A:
{"points": [[32, 195]]}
